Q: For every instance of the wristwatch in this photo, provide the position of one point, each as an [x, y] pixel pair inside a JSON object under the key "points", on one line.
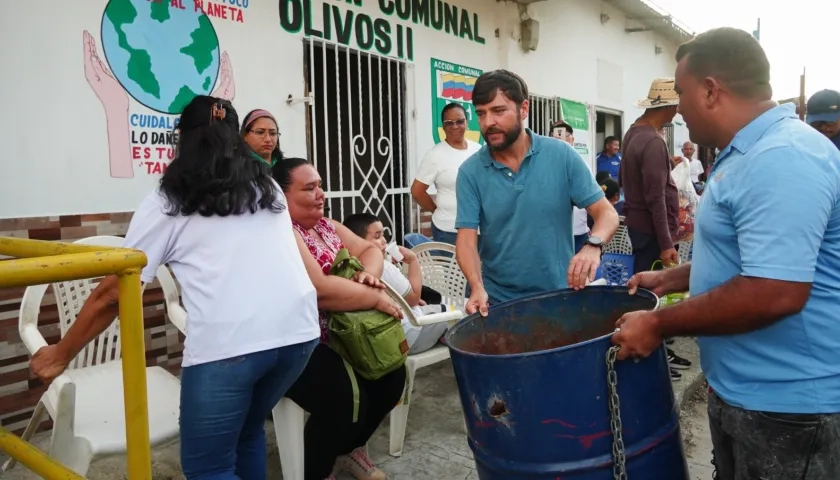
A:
{"points": [[596, 242]]}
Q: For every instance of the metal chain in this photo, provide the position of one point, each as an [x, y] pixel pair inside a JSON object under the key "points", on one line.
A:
{"points": [[619, 460]]}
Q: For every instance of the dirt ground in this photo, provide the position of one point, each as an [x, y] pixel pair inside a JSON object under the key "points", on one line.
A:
{"points": [[697, 443]]}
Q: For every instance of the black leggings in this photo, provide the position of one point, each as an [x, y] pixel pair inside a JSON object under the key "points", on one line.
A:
{"points": [[324, 390]]}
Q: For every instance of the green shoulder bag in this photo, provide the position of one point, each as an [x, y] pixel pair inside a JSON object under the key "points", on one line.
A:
{"points": [[371, 342]]}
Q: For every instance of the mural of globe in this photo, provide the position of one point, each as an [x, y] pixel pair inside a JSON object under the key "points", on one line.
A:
{"points": [[163, 56]]}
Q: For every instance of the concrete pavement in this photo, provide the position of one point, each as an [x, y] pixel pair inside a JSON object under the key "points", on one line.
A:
{"points": [[435, 446]]}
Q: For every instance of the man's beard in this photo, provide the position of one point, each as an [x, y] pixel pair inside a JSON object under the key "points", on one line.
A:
{"points": [[509, 138]]}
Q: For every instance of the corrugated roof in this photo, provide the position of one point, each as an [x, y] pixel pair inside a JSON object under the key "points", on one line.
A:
{"points": [[649, 16]]}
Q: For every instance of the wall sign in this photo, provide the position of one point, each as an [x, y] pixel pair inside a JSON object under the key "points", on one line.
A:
{"points": [[347, 26], [576, 114], [454, 83]]}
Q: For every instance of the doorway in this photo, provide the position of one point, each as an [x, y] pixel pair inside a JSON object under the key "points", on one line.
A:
{"points": [[608, 123], [356, 132]]}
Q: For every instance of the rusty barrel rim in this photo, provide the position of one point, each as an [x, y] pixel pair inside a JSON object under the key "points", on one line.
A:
{"points": [[640, 292]]}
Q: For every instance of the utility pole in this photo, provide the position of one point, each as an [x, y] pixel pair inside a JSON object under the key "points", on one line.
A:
{"points": [[757, 31]]}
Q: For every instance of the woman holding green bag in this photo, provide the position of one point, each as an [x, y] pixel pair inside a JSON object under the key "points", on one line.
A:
{"points": [[345, 408]]}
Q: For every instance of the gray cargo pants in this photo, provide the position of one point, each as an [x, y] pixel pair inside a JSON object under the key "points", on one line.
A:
{"points": [[751, 445]]}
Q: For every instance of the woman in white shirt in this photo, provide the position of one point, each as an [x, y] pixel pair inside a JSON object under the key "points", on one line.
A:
{"points": [[440, 168], [221, 223]]}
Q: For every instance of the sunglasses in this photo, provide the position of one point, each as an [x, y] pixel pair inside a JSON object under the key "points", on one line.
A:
{"points": [[452, 123]]}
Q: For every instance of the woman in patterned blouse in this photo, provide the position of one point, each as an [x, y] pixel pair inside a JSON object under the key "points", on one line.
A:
{"points": [[324, 389]]}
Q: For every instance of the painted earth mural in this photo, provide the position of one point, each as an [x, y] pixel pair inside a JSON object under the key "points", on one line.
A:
{"points": [[161, 54]]}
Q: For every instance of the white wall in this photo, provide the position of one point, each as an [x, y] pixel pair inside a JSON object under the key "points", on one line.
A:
{"points": [[56, 135], [573, 43]]}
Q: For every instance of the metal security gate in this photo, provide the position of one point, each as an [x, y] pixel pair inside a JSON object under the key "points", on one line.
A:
{"points": [[669, 139], [542, 113], [357, 132]]}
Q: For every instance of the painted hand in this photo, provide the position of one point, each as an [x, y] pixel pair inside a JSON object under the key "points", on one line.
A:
{"points": [[225, 88], [112, 95], [637, 334], [114, 100]]}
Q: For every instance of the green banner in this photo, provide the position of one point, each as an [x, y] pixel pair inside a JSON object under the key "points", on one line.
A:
{"points": [[575, 114], [453, 83]]}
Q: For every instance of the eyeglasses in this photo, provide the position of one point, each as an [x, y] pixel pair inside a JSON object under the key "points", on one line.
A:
{"points": [[451, 123], [263, 132]]}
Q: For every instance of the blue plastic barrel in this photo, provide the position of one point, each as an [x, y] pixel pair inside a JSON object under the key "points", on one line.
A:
{"points": [[532, 378]]}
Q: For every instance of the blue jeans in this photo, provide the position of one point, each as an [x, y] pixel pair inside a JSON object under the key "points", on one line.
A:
{"points": [[224, 405], [439, 235]]}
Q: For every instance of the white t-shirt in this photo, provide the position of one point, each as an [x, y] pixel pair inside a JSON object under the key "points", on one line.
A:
{"points": [[440, 168], [392, 275], [395, 278], [243, 281], [696, 168], [580, 226]]}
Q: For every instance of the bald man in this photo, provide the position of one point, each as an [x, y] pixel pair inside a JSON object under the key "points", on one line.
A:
{"points": [[696, 166]]}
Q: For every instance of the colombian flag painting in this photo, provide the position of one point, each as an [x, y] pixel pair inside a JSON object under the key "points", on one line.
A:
{"points": [[468, 89], [457, 86], [448, 81], [454, 83]]}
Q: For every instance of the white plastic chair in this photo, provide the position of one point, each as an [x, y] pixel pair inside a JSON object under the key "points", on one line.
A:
{"points": [[290, 418], [684, 250], [86, 401], [438, 353], [620, 243], [442, 273]]}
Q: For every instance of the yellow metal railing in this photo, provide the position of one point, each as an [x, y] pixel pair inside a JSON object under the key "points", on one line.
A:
{"points": [[39, 262]]}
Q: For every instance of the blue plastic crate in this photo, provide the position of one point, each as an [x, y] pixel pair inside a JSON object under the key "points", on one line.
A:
{"points": [[616, 268]]}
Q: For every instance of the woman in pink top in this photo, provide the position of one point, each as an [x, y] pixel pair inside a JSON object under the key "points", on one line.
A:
{"points": [[324, 389]]}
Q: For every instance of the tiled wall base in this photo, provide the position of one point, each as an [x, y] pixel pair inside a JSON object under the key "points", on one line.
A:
{"points": [[19, 389]]}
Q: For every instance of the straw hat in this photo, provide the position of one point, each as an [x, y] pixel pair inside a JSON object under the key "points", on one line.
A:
{"points": [[662, 94]]}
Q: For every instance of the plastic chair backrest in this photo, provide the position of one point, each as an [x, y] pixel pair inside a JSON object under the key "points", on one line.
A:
{"points": [[70, 297], [441, 272], [684, 250], [620, 242]]}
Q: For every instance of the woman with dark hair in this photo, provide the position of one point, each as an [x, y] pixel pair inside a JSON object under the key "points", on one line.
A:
{"points": [[260, 132], [325, 388], [221, 223]]}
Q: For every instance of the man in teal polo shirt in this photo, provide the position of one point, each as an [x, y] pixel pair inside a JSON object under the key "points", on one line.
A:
{"points": [[519, 190], [765, 276]]}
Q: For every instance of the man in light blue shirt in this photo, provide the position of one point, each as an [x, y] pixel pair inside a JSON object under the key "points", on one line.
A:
{"points": [[519, 190], [765, 276]]}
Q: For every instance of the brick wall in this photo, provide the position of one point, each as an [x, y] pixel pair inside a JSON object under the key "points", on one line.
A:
{"points": [[19, 389], [426, 223]]}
